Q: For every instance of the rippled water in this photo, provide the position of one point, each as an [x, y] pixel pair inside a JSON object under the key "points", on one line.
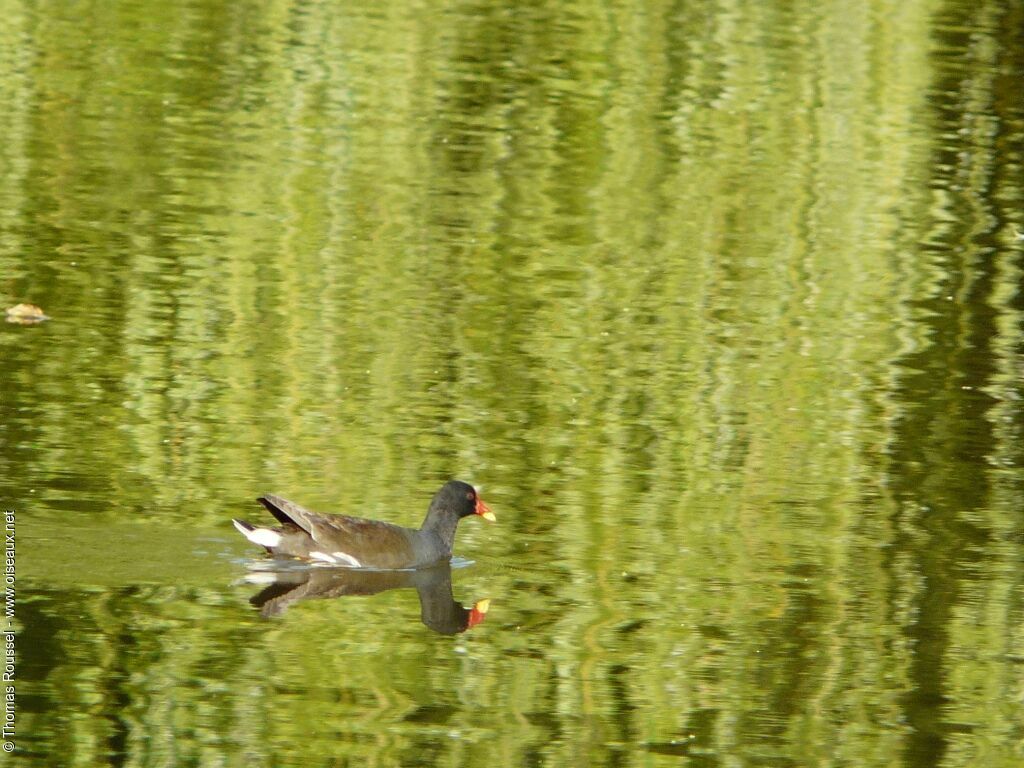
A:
{"points": [[718, 304]]}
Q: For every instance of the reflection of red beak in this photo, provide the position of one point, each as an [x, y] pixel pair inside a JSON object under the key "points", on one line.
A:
{"points": [[483, 510], [478, 613]]}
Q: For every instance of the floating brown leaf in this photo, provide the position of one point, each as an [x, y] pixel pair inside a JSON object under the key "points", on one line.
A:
{"points": [[25, 314]]}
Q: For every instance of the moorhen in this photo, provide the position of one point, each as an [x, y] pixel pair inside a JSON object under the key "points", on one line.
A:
{"points": [[360, 543]]}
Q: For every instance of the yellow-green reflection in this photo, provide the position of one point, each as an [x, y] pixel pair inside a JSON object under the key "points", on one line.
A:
{"points": [[718, 301]]}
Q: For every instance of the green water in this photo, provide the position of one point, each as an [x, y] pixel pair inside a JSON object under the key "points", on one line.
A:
{"points": [[719, 304]]}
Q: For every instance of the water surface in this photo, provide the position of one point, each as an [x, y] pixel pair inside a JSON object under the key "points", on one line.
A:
{"points": [[718, 303]]}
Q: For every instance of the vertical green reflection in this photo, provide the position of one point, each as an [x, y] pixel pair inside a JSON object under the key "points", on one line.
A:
{"points": [[718, 301]]}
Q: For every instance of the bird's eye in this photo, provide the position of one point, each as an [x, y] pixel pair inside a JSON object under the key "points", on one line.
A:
{"points": [[470, 495]]}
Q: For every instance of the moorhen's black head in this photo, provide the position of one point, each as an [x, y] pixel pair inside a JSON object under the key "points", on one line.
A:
{"points": [[460, 498]]}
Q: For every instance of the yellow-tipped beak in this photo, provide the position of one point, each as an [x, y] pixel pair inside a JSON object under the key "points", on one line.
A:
{"points": [[484, 511]]}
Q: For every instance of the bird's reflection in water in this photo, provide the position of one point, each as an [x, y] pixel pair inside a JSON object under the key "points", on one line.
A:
{"points": [[438, 609]]}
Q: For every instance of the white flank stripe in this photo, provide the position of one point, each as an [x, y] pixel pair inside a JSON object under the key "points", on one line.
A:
{"points": [[346, 558], [322, 556]]}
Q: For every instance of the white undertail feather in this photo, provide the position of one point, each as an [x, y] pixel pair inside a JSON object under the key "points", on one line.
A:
{"points": [[262, 536], [255, 577]]}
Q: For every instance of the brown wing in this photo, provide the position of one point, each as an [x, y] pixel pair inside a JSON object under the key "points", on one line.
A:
{"points": [[286, 511], [372, 543]]}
